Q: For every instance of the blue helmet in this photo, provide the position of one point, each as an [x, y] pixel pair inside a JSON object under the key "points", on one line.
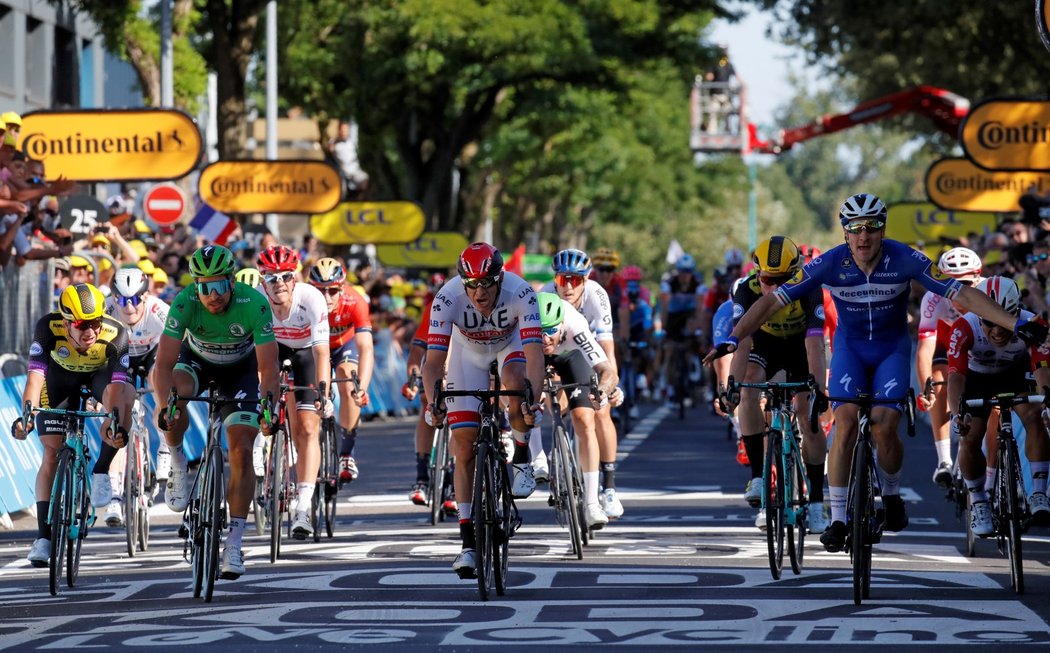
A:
{"points": [[862, 206], [685, 263], [571, 261]]}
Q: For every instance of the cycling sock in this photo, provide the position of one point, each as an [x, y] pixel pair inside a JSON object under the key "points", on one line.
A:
{"points": [[306, 495], [521, 438], [347, 440], [891, 483], [838, 502], [521, 453], [236, 532], [163, 448], [422, 467], [590, 487], [106, 454], [178, 457], [43, 529], [944, 451], [535, 443], [608, 475], [989, 478], [464, 512], [753, 445], [976, 489], [815, 475], [1039, 471], [466, 533]]}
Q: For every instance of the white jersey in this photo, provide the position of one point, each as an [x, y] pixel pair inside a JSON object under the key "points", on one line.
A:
{"points": [[595, 307], [307, 321], [576, 334], [516, 313], [144, 336], [971, 350], [934, 309]]}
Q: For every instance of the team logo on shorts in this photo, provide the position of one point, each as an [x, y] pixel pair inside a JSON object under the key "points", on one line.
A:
{"points": [[63, 352], [237, 330], [35, 349]]}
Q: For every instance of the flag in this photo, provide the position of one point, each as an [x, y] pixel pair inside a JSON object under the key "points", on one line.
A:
{"points": [[674, 252], [212, 225], [516, 262]]}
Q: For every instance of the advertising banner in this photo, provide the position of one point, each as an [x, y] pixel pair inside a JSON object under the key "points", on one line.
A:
{"points": [[922, 222], [270, 186], [439, 249], [361, 223], [957, 184], [1008, 135]]}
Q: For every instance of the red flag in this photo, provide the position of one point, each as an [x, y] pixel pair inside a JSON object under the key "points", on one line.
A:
{"points": [[516, 262]]}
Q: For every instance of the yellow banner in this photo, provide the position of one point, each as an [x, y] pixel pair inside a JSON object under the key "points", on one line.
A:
{"points": [[439, 249], [270, 186], [957, 184], [112, 145], [1008, 135], [359, 223], [922, 222]]}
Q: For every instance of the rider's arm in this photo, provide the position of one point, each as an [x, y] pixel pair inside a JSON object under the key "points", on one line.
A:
{"points": [[269, 370], [958, 361], [366, 357], [167, 355], [977, 302], [817, 362], [607, 378], [738, 368], [439, 337], [39, 354], [415, 360]]}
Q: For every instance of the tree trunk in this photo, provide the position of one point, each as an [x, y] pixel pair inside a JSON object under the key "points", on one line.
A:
{"points": [[233, 29], [147, 69]]}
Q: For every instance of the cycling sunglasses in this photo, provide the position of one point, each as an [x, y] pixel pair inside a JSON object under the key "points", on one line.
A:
{"points": [[133, 301], [278, 276], [866, 226], [1032, 258], [331, 291], [773, 281], [219, 286], [484, 282], [84, 325], [550, 332], [571, 280]]}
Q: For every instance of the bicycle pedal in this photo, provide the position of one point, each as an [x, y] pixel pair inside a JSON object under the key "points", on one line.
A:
{"points": [[551, 501], [184, 532]]}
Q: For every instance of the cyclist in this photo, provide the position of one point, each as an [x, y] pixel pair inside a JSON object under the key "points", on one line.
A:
{"points": [[636, 329], [791, 340], [570, 348], [224, 323], [143, 317], [351, 349], [483, 315], [424, 432], [936, 317], [571, 267], [681, 316], [77, 345], [300, 325], [249, 277], [870, 280], [985, 359]]}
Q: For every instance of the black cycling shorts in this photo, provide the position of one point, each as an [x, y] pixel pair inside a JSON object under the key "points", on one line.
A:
{"points": [[61, 389], [1017, 379], [572, 367], [773, 354], [238, 380], [304, 372]]}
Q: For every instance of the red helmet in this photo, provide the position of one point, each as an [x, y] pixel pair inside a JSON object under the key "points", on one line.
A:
{"points": [[437, 280], [278, 258], [808, 252], [632, 273], [480, 260]]}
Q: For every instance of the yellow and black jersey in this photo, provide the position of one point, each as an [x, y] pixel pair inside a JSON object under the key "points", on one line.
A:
{"points": [[52, 349], [800, 318]]}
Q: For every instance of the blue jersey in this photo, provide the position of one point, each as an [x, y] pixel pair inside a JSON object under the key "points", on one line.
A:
{"points": [[722, 324], [641, 321], [870, 307]]}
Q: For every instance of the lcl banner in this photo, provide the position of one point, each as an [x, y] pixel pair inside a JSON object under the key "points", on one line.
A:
{"points": [[270, 186], [922, 222], [112, 145], [959, 185], [361, 223], [438, 249], [1008, 135]]}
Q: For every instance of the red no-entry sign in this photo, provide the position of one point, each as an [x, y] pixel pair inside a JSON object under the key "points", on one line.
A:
{"points": [[165, 204]]}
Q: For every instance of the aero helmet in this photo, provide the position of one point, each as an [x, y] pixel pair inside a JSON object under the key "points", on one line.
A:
{"points": [[211, 261], [480, 260], [81, 301], [777, 257], [129, 282], [327, 271]]}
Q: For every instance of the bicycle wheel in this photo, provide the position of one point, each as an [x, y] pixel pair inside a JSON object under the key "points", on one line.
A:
{"points": [[1014, 526], [577, 483], [568, 500], [329, 476], [80, 505], [132, 476], [962, 508], [797, 503], [773, 488], [196, 518], [214, 522], [316, 510], [59, 518], [275, 492], [436, 486], [484, 516], [504, 529], [860, 514]]}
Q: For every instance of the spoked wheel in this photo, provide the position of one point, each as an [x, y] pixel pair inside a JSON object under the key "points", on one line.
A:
{"points": [[1014, 502], [60, 502], [213, 506], [504, 528], [331, 492], [132, 492], [964, 512], [316, 508], [797, 503], [78, 530], [569, 501], [436, 486], [260, 510], [275, 495], [484, 519], [861, 511], [773, 499]]}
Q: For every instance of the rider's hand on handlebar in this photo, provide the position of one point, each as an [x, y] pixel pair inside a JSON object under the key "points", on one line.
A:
{"points": [[531, 413], [360, 398], [925, 402], [617, 397], [958, 425], [433, 415], [723, 349], [409, 390]]}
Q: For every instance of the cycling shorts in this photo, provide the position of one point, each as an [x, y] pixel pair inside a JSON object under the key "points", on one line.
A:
{"points": [[1018, 378], [880, 367], [61, 389], [345, 353], [468, 369], [145, 364], [238, 380], [304, 372], [572, 367], [773, 354]]}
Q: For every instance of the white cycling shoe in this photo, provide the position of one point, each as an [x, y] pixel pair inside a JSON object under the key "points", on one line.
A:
{"points": [[595, 516], [524, 484]]}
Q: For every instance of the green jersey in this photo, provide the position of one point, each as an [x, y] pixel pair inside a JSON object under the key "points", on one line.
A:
{"points": [[226, 338]]}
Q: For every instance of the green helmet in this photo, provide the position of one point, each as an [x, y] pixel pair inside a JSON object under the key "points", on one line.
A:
{"points": [[249, 276], [552, 309], [211, 261]]}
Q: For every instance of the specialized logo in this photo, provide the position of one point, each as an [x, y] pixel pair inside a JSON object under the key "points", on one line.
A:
{"points": [[819, 312], [847, 263], [738, 311], [125, 360]]}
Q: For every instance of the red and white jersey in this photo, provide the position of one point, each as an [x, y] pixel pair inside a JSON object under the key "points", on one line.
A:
{"points": [[933, 310], [595, 306], [516, 310], [349, 317], [969, 349], [307, 321], [145, 335]]}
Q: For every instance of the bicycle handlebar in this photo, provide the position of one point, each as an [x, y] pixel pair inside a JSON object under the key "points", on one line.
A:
{"points": [[1005, 400]]}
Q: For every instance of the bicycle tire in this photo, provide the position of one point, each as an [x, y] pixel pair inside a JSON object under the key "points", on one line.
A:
{"points": [[214, 526], [59, 517], [773, 497], [328, 479], [276, 491], [484, 517], [78, 530], [577, 480], [259, 504], [436, 486], [1008, 455], [131, 493], [860, 512], [196, 535], [798, 503], [566, 486], [503, 531]]}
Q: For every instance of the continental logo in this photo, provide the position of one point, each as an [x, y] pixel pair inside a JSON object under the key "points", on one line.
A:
{"points": [[1008, 135], [304, 187], [992, 135], [957, 184], [231, 186], [40, 146]]}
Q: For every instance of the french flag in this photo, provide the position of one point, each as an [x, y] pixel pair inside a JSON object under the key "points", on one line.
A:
{"points": [[212, 225]]}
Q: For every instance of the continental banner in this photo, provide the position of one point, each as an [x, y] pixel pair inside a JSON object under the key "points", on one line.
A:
{"points": [[1008, 135], [112, 145], [270, 186], [921, 222], [360, 223], [959, 185], [439, 249]]}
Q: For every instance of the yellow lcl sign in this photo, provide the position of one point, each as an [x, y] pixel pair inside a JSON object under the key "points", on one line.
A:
{"points": [[438, 249], [359, 223]]}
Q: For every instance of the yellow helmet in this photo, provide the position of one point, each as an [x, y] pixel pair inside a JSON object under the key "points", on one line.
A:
{"points": [[606, 257], [778, 256], [249, 276], [81, 301], [160, 276], [76, 261]]}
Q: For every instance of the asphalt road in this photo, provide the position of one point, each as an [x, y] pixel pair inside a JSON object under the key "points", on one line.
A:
{"points": [[684, 567]]}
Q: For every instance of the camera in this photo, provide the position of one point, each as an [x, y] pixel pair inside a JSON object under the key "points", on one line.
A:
{"points": [[100, 229]]}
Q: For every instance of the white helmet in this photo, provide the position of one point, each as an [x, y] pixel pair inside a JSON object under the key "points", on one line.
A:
{"points": [[1003, 292], [862, 206], [129, 282], [961, 263]]}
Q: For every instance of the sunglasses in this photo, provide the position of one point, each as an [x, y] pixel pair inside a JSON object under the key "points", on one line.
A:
{"points": [[220, 286], [133, 301], [605, 268], [571, 280], [550, 332], [331, 291], [84, 325], [279, 276], [773, 281], [484, 282], [1032, 258], [866, 226]]}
